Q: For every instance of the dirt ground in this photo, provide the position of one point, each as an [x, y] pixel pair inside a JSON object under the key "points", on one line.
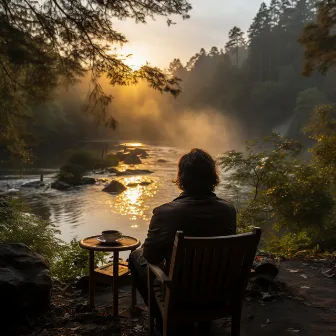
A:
{"points": [[304, 306], [310, 312]]}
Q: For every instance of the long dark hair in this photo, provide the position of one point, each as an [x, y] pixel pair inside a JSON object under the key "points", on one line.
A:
{"points": [[197, 172]]}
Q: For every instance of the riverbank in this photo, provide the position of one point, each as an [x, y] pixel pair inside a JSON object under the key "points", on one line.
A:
{"points": [[304, 304]]}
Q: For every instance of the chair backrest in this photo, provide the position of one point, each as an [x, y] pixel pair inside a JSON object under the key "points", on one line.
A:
{"points": [[206, 271]]}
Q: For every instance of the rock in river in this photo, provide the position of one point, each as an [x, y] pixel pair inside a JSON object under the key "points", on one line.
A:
{"points": [[145, 183], [113, 170], [141, 152], [33, 184], [115, 187], [88, 180], [25, 281], [132, 159], [134, 172], [60, 185]]}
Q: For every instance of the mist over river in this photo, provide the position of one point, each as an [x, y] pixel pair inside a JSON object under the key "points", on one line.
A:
{"points": [[87, 210]]}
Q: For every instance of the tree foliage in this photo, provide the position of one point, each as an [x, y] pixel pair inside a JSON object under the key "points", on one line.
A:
{"points": [[48, 43], [66, 261], [283, 192], [319, 39], [236, 40]]}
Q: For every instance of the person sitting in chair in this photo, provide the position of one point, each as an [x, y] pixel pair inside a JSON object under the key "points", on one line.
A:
{"points": [[198, 212]]}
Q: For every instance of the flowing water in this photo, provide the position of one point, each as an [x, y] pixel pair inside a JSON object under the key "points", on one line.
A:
{"points": [[87, 210]]}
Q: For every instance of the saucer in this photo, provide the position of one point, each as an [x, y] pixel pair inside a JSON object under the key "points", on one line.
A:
{"points": [[104, 241]]}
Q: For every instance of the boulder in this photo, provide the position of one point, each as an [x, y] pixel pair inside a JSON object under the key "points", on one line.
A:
{"points": [[25, 281], [33, 184], [102, 180], [60, 185], [88, 180], [132, 185], [134, 172], [132, 159], [100, 172], [140, 151], [265, 269], [113, 170], [145, 183], [115, 187], [121, 155]]}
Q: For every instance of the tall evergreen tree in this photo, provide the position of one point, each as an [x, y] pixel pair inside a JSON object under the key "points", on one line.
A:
{"points": [[260, 40], [319, 40], [236, 40], [213, 52]]}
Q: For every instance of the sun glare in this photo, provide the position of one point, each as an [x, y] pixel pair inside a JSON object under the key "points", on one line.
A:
{"points": [[132, 144], [135, 56]]}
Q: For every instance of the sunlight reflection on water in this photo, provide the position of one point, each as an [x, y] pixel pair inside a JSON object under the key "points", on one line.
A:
{"points": [[87, 210], [133, 202]]}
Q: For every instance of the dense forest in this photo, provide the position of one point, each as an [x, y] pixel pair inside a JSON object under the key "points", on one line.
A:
{"points": [[258, 79], [251, 85]]}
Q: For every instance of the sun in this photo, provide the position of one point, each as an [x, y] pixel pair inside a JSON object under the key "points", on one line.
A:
{"points": [[135, 62], [134, 55]]}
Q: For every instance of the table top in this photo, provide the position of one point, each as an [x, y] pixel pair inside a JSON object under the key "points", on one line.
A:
{"points": [[124, 244]]}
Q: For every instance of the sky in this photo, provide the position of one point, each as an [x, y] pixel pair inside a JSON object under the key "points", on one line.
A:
{"points": [[208, 26]]}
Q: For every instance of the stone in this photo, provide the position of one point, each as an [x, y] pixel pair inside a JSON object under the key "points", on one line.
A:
{"points": [[100, 172], [134, 172], [113, 170], [265, 269], [132, 184], [25, 281], [132, 159], [121, 155], [145, 183], [88, 180], [102, 180], [162, 161], [33, 184], [60, 185], [144, 156], [140, 151], [115, 187]]}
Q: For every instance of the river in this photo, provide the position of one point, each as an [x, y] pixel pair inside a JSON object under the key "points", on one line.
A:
{"points": [[87, 210]]}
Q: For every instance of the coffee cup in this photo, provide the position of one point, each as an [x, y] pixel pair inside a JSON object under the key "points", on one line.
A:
{"points": [[111, 235]]}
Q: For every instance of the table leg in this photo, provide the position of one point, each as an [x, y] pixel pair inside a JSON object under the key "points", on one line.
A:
{"points": [[134, 298], [91, 280], [115, 282]]}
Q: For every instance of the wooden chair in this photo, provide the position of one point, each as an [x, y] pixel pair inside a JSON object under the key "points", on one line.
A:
{"points": [[207, 280]]}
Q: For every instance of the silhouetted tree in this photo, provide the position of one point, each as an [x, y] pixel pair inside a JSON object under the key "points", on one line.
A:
{"points": [[236, 40], [48, 42], [319, 40]]}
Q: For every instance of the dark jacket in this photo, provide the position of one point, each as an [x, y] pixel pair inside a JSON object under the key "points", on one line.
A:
{"points": [[197, 216]]}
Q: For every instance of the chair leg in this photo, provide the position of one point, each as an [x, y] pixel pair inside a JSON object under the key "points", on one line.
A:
{"points": [[169, 328], [150, 303], [151, 323], [235, 323]]}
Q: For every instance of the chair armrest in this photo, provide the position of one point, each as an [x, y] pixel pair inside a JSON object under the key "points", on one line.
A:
{"points": [[157, 271]]}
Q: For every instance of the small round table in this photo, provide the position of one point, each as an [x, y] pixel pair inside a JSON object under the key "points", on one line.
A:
{"points": [[127, 243]]}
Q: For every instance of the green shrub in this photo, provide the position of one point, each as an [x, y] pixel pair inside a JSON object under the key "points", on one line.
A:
{"points": [[86, 159], [110, 160], [22, 227], [71, 173], [288, 245], [73, 261], [67, 261], [285, 193], [81, 161]]}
